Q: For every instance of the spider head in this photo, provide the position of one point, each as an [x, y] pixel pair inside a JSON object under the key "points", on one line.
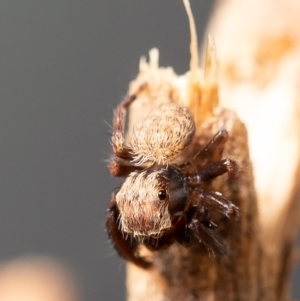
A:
{"points": [[150, 201]]}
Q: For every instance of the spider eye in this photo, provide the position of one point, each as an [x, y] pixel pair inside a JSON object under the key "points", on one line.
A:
{"points": [[162, 195]]}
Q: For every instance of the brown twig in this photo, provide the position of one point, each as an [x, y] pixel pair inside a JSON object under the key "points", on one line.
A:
{"points": [[259, 81]]}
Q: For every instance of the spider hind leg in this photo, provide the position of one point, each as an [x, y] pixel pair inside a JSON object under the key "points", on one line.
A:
{"points": [[119, 123]]}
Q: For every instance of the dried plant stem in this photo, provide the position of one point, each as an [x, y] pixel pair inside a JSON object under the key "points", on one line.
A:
{"points": [[193, 274], [259, 82], [259, 79]]}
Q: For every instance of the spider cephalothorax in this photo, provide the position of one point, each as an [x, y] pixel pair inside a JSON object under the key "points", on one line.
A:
{"points": [[144, 200], [162, 202]]}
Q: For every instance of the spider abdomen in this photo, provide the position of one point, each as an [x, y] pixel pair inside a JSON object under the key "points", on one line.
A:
{"points": [[162, 135]]}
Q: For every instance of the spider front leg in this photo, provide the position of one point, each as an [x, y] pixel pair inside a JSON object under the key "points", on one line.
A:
{"points": [[124, 246], [212, 219], [205, 231], [215, 203]]}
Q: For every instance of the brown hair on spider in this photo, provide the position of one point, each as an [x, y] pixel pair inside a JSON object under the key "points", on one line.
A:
{"points": [[162, 201]]}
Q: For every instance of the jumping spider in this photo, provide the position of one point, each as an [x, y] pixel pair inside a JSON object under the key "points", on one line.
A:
{"points": [[162, 202]]}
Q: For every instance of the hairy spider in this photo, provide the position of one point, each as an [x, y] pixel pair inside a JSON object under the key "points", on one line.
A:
{"points": [[162, 202]]}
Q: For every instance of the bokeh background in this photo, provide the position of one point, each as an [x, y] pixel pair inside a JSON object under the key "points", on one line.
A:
{"points": [[64, 66]]}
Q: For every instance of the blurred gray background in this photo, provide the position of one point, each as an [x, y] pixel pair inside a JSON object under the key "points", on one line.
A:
{"points": [[64, 66]]}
